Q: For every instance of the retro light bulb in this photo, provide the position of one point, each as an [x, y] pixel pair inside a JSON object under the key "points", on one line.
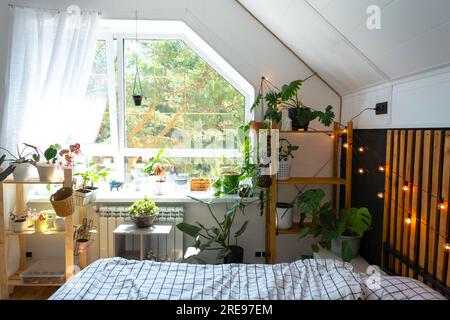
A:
{"points": [[380, 195]]}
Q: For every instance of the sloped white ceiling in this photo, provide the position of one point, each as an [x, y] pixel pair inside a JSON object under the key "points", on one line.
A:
{"points": [[332, 37]]}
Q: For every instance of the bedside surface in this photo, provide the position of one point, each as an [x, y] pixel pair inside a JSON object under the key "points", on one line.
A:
{"points": [[359, 264]]}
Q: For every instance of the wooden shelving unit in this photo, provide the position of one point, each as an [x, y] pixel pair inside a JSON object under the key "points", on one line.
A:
{"points": [[20, 205], [335, 181]]}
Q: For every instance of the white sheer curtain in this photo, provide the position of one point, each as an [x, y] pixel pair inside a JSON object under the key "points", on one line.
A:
{"points": [[51, 56]]}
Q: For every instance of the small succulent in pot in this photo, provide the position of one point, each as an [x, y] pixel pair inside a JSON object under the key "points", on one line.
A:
{"points": [[143, 212]]}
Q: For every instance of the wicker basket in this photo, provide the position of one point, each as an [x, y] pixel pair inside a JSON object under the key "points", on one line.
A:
{"points": [[62, 202], [200, 184]]}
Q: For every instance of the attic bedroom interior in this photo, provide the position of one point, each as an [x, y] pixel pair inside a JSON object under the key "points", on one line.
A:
{"points": [[244, 151]]}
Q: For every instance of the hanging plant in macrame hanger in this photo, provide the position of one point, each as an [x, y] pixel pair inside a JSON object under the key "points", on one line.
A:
{"points": [[137, 94]]}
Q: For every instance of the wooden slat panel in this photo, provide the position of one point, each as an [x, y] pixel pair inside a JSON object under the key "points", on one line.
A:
{"points": [[425, 198], [3, 250], [433, 222], [387, 187], [393, 210], [443, 221], [400, 201], [416, 197], [408, 197]]}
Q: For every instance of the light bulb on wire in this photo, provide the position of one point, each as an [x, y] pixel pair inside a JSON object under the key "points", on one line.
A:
{"points": [[361, 149], [409, 219], [381, 168], [380, 195], [442, 206], [361, 171], [345, 145], [405, 187], [447, 246]]}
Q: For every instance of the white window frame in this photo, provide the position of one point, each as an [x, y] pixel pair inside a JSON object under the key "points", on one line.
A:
{"points": [[117, 148]]}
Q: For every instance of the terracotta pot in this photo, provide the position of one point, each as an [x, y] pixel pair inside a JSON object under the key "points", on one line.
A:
{"points": [[82, 245]]}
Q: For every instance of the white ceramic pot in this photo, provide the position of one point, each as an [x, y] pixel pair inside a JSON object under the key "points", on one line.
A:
{"points": [[46, 171], [82, 197], [284, 216], [94, 193], [19, 226], [284, 169], [160, 187], [60, 223], [336, 245], [22, 171]]}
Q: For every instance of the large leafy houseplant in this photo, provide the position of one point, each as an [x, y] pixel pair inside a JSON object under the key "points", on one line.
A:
{"points": [[220, 236], [350, 224], [288, 97]]}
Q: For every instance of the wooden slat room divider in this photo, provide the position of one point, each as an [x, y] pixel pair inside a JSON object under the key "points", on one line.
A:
{"points": [[416, 207]]}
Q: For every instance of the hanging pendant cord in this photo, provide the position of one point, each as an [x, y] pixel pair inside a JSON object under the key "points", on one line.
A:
{"points": [[137, 75]]}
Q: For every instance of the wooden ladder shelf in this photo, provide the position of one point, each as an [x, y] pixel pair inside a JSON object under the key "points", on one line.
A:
{"points": [[335, 181]]}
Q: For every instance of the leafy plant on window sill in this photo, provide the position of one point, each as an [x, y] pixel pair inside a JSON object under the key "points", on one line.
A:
{"points": [[345, 229], [20, 162]]}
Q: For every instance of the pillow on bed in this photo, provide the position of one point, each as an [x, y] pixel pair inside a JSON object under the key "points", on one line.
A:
{"points": [[397, 288]]}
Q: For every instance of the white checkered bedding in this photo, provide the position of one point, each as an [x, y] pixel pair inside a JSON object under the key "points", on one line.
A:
{"points": [[397, 288], [121, 279]]}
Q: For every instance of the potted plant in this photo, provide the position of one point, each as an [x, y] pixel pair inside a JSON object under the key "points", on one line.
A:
{"points": [[219, 237], [19, 223], [46, 169], [41, 223], [20, 163], [92, 175], [284, 155], [156, 167], [288, 97], [143, 212], [82, 236], [341, 232]]}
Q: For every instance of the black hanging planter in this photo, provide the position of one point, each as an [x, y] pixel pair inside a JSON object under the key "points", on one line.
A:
{"points": [[137, 100], [294, 115], [235, 256], [137, 97]]}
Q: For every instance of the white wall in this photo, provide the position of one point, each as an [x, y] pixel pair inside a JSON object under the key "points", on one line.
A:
{"points": [[248, 47], [421, 101]]}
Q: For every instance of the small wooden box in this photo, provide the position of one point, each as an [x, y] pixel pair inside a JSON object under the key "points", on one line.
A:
{"points": [[200, 184]]}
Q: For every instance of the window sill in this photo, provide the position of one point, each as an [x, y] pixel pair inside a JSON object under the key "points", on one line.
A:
{"points": [[126, 196]]}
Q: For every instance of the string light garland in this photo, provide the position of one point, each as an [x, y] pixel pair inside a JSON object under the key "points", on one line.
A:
{"points": [[442, 205]]}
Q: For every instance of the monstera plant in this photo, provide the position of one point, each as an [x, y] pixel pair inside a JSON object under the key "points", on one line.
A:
{"points": [[340, 233]]}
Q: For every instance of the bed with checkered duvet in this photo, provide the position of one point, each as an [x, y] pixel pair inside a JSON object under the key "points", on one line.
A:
{"points": [[121, 279]]}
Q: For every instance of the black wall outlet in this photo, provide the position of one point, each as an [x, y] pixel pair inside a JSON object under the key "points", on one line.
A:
{"points": [[381, 108], [260, 254], [29, 254]]}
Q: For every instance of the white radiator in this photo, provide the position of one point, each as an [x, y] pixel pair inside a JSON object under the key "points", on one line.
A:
{"points": [[162, 247]]}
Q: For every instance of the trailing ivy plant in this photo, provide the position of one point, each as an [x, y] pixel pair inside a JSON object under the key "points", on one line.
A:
{"points": [[327, 225]]}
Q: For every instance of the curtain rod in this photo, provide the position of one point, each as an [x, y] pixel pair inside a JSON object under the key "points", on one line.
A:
{"points": [[51, 9]]}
